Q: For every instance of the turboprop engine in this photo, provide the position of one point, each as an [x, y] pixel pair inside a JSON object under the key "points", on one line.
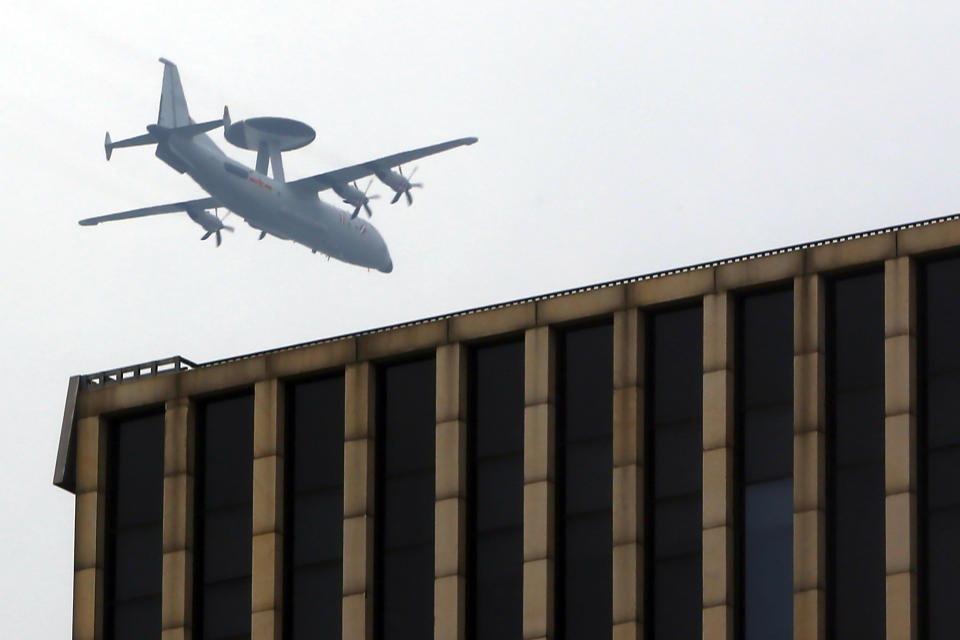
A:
{"points": [[399, 183], [352, 195], [210, 223]]}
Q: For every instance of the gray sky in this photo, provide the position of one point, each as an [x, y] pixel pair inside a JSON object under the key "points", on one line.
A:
{"points": [[616, 138]]}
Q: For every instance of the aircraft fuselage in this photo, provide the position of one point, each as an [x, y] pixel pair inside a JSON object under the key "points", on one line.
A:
{"points": [[274, 206]]}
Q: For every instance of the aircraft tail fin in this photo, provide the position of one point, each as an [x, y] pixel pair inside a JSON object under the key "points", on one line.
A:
{"points": [[173, 104]]}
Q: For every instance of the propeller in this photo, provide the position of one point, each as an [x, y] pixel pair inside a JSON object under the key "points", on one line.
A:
{"points": [[410, 185], [364, 200], [216, 232]]}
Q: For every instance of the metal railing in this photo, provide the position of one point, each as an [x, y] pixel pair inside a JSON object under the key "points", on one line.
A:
{"points": [[152, 368]]}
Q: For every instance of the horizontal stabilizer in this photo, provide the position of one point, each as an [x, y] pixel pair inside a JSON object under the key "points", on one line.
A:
{"points": [[136, 141], [177, 207]]}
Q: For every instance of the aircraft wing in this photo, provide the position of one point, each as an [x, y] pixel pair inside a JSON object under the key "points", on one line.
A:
{"points": [[176, 207], [323, 181]]}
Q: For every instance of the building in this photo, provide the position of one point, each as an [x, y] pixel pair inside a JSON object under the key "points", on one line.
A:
{"points": [[761, 447]]}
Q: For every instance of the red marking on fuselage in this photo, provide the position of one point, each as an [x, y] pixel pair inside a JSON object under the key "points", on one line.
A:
{"points": [[260, 183]]}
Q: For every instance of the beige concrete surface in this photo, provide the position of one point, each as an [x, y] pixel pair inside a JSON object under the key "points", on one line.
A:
{"points": [[584, 304], [809, 453], [671, 288], [859, 251], [539, 476], [900, 455], [359, 412], [756, 271], [493, 322]]}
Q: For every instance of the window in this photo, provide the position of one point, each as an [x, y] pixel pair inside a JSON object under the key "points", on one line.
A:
{"points": [[939, 444], [764, 431], [856, 560], [585, 481], [224, 518], [674, 442], [404, 523], [134, 528], [313, 538], [495, 492]]}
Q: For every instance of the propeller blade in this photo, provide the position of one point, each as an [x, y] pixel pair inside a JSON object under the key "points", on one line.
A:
{"points": [[227, 228], [356, 212], [369, 184], [206, 235], [219, 239], [410, 177], [396, 197], [409, 197], [367, 208], [373, 197]]}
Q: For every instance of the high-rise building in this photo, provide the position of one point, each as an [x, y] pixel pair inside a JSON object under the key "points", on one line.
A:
{"points": [[761, 447]]}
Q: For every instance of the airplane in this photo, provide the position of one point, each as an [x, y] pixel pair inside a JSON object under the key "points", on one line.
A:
{"points": [[288, 210]]}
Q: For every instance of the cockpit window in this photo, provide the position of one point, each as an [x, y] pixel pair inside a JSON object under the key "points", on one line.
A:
{"points": [[236, 170]]}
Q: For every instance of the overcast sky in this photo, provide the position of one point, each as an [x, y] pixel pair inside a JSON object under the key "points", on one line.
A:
{"points": [[616, 138]]}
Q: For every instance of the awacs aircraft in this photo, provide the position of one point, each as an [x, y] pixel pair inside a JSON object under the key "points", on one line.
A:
{"points": [[288, 210]]}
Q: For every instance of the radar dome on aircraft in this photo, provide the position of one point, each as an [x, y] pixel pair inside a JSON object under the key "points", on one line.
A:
{"points": [[269, 136]]}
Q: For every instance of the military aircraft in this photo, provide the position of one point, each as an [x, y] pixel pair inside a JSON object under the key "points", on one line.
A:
{"points": [[287, 210]]}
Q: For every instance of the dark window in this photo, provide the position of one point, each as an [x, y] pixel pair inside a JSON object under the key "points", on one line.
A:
{"points": [[674, 442], [584, 482], [134, 528], [314, 508], [224, 518], [940, 448], [405, 445], [764, 404], [856, 561], [495, 437]]}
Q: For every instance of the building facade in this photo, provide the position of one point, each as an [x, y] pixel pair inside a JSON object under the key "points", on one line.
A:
{"points": [[762, 447]]}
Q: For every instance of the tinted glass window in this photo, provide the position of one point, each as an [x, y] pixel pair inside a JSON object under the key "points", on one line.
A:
{"points": [[764, 402], [674, 440], [855, 453], [134, 528], [314, 508], [405, 444], [224, 519], [495, 491], [585, 481], [940, 447]]}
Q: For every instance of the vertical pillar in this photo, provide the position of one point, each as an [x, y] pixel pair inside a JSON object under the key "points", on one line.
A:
{"points": [[900, 391], [358, 469], [718, 470], [450, 509], [809, 485], [88, 552], [178, 488], [628, 492], [539, 476], [267, 565]]}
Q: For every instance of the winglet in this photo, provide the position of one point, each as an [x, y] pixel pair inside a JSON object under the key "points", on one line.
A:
{"points": [[108, 146]]}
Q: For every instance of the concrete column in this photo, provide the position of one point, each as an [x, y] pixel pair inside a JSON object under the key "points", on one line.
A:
{"points": [[539, 473], [90, 515], [900, 391], [450, 508], [718, 471], [178, 486], [267, 582], [358, 497], [809, 485], [628, 492]]}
